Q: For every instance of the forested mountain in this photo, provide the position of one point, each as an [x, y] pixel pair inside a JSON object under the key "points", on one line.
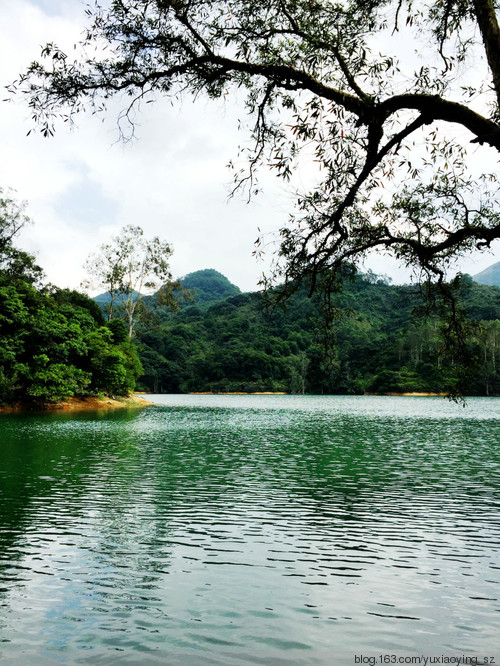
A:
{"points": [[207, 287], [204, 288], [380, 345], [490, 275]]}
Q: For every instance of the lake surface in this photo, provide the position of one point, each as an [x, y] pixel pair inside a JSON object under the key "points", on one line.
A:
{"points": [[251, 530]]}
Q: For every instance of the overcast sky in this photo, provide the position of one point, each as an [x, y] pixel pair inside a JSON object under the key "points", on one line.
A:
{"points": [[83, 185]]}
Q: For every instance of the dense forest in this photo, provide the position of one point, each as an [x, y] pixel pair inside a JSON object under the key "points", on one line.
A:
{"points": [[203, 334], [54, 343], [380, 343]]}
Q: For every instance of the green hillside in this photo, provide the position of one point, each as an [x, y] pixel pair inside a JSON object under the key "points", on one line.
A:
{"points": [[207, 287], [380, 344]]}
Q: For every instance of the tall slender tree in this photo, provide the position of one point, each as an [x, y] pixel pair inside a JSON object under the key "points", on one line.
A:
{"points": [[129, 268]]}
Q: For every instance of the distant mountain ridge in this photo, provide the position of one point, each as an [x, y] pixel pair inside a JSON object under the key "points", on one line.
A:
{"points": [[105, 299], [207, 287], [490, 275], [382, 343]]}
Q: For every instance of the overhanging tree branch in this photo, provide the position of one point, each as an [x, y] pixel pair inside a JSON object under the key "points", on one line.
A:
{"points": [[314, 61]]}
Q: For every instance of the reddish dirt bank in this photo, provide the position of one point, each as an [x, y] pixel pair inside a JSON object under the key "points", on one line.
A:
{"points": [[79, 404]]}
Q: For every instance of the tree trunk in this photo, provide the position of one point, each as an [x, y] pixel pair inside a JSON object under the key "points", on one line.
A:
{"points": [[490, 32]]}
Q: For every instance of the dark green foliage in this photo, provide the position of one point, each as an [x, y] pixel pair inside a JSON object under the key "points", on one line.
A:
{"points": [[208, 287], [76, 298], [384, 342], [50, 382], [114, 367], [118, 330], [53, 346], [53, 342]]}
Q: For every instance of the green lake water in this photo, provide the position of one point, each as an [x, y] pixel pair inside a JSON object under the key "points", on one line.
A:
{"points": [[251, 530]]}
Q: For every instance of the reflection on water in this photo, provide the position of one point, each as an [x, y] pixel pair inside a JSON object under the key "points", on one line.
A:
{"points": [[251, 529]]}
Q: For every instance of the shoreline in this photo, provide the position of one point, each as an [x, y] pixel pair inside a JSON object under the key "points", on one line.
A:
{"points": [[414, 394], [237, 393], [411, 394], [80, 404]]}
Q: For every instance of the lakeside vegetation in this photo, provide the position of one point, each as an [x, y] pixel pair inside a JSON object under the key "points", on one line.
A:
{"points": [[54, 343], [382, 342], [203, 335]]}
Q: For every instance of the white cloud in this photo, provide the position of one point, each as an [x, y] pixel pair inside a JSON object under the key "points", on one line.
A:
{"points": [[83, 186]]}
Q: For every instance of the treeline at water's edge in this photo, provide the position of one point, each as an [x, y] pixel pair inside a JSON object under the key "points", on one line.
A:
{"points": [[201, 334], [383, 341], [54, 343], [57, 343]]}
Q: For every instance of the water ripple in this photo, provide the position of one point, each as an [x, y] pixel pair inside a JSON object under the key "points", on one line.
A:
{"points": [[262, 530]]}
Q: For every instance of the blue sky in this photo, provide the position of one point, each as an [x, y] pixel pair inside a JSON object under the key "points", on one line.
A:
{"points": [[83, 185]]}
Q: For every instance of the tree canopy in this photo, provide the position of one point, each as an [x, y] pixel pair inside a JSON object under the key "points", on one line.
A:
{"points": [[382, 345], [391, 135], [53, 342], [207, 287]]}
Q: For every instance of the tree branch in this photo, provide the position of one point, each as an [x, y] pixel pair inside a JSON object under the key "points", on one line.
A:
{"points": [[437, 108]]}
